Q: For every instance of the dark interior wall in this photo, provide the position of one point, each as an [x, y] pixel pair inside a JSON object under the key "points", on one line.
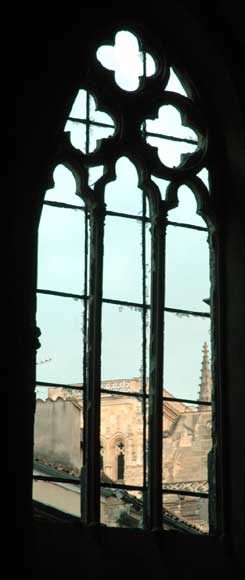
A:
{"points": [[50, 59]]}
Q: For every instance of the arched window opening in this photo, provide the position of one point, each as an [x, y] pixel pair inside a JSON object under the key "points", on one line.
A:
{"points": [[120, 461], [125, 294]]}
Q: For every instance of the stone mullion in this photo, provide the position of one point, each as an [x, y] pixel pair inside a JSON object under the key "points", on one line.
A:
{"points": [[154, 503], [91, 472]]}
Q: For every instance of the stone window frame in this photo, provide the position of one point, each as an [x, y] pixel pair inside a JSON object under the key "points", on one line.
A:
{"points": [[97, 213]]}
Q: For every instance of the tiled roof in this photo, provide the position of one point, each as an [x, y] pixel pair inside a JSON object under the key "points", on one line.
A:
{"points": [[169, 518]]}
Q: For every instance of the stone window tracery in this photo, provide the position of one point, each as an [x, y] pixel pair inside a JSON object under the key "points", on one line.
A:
{"points": [[116, 129]]}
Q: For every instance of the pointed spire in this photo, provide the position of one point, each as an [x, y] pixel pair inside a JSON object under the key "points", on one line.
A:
{"points": [[206, 382]]}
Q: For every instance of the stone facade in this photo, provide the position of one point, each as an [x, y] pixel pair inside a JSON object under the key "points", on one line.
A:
{"points": [[122, 424]]}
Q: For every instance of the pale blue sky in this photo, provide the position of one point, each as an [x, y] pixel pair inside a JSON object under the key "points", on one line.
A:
{"points": [[61, 262]]}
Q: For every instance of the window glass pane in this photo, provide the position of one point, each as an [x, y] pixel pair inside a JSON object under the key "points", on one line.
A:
{"points": [[86, 110], [183, 353], [79, 106], [60, 496], [204, 176], [58, 450], [61, 250], [122, 259], [77, 134], [123, 195], [169, 152], [121, 342], [64, 190], [186, 210], [185, 514], [120, 508], [96, 134], [187, 269], [61, 324], [162, 184], [94, 174], [169, 123], [125, 59], [122, 433], [175, 85]]}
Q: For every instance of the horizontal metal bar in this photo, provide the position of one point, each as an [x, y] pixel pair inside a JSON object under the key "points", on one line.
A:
{"points": [[61, 294], [146, 133], [75, 481], [194, 402], [189, 226], [125, 215], [185, 492], [147, 306], [56, 385], [129, 216], [64, 205], [141, 395], [188, 312], [136, 394], [90, 122], [170, 138], [123, 303]]}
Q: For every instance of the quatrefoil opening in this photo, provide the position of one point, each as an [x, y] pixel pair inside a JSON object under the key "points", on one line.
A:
{"points": [[173, 140], [87, 125], [126, 60]]}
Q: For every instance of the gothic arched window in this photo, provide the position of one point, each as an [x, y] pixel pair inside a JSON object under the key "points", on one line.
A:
{"points": [[127, 237], [120, 461]]}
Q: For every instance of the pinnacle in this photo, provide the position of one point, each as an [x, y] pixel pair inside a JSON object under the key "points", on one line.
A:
{"points": [[205, 379]]}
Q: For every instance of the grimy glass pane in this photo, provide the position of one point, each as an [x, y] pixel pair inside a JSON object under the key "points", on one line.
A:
{"points": [[61, 324], [79, 106], [60, 496], [162, 184], [95, 173], [122, 438], [123, 195], [122, 260], [169, 123], [120, 508], [61, 250], [77, 134], [175, 85], [126, 60], [58, 440], [121, 342], [187, 269], [64, 190], [169, 152], [98, 133], [184, 354], [186, 210], [185, 513]]}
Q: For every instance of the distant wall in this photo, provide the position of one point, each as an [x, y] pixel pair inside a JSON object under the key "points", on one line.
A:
{"points": [[185, 449], [57, 433]]}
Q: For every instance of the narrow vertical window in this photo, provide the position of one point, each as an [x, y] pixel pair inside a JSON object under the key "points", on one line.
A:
{"points": [[120, 462], [125, 300]]}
